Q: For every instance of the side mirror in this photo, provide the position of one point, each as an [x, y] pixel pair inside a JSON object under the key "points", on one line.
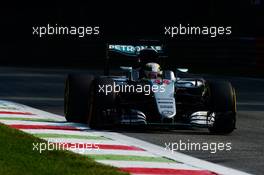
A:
{"points": [[182, 70]]}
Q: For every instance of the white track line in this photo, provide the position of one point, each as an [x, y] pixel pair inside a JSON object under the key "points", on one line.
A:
{"points": [[114, 152]]}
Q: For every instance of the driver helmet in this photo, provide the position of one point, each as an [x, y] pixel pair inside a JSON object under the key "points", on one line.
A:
{"points": [[152, 70]]}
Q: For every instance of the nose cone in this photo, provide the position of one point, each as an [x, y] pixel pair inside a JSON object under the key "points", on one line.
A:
{"points": [[167, 114]]}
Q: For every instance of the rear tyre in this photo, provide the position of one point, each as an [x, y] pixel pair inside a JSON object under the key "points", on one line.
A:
{"points": [[223, 104], [77, 98], [104, 98]]}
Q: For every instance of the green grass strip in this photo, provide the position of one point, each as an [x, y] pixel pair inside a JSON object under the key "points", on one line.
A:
{"points": [[18, 157], [130, 158], [28, 119], [70, 136]]}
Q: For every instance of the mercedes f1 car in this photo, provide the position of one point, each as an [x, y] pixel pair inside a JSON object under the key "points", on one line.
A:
{"points": [[164, 98]]}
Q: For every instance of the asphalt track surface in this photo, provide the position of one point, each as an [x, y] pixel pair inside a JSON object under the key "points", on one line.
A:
{"points": [[44, 88]]}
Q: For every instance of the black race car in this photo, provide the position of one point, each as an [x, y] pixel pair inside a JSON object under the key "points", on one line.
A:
{"points": [[169, 98]]}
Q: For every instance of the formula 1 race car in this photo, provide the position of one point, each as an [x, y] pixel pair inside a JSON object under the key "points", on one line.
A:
{"points": [[145, 95]]}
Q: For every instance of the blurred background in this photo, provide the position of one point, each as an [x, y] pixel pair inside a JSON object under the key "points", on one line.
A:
{"points": [[241, 53]]}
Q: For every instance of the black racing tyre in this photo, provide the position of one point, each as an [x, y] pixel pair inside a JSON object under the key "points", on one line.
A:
{"points": [[223, 104], [77, 98], [102, 101]]}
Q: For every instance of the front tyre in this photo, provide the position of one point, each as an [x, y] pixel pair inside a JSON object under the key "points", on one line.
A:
{"points": [[77, 98], [223, 106]]}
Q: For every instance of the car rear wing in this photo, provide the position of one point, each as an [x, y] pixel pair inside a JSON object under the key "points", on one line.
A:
{"points": [[126, 54], [130, 50]]}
